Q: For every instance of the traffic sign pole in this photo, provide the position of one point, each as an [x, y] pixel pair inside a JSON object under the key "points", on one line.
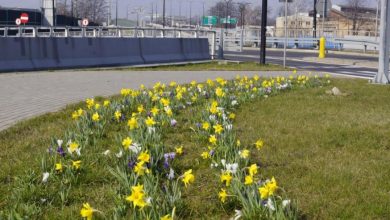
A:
{"points": [[263, 31]]}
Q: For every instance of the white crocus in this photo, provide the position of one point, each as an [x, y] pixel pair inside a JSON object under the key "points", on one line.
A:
{"points": [[237, 215], [135, 148], [171, 174], [45, 177], [286, 202], [120, 154], [234, 103], [270, 205], [59, 142], [106, 153]]}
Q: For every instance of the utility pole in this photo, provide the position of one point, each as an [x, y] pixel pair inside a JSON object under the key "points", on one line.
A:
{"points": [[263, 31], [163, 13], [382, 76], [285, 34], [315, 19], [116, 13]]}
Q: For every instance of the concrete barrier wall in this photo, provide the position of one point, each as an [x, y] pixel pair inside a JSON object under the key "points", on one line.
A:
{"points": [[18, 54]]}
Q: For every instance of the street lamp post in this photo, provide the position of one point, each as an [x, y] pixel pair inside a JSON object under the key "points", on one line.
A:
{"points": [[263, 31], [383, 71], [315, 19], [163, 13], [116, 13]]}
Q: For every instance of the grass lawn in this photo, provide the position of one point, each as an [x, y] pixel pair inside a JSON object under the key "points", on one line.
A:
{"points": [[211, 66], [330, 154]]}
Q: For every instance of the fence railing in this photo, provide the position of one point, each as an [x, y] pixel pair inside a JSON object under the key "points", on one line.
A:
{"points": [[110, 32]]}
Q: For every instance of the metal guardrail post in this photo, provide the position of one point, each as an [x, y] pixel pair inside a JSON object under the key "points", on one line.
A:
{"points": [[241, 40]]}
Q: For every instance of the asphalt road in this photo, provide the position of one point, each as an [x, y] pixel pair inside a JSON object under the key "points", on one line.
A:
{"points": [[295, 60]]}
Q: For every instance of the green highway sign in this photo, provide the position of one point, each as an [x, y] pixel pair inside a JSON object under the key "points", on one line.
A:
{"points": [[209, 20], [229, 20]]}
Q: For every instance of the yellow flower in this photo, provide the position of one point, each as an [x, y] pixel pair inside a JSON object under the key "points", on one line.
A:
{"points": [[125, 92], [206, 126], [73, 146], [165, 102], [137, 196], [58, 167], [172, 84], [76, 164], [244, 153], [154, 111], [77, 114], [87, 211], [139, 169], [97, 106], [252, 169], [268, 189], [226, 178], [248, 180], [205, 155], [106, 103], [259, 144], [188, 177], [179, 96], [218, 128], [232, 116], [144, 156], [213, 139], [238, 143], [179, 150], [219, 92], [222, 195], [132, 123], [90, 103], [166, 217], [95, 117], [150, 122], [118, 115], [168, 111], [140, 108], [127, 142]]}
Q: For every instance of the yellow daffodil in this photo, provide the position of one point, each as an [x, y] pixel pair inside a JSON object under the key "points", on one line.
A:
{"points": [[219, 92], [154, 111], [106, 103], [213, 140], [205, 155], [77, 114], [188, 177], [58, 167], [222, 195], [238, 142], [87, 211], [97, 106], [166, 217], [127, 142], [76, 164], [248, 180], [95, 117], [90, 103], [125, 92], [244, 153], [206, 126], [73, 146], [259, 144], [268, 189], [218, 128], [179, 96], [179, 150], [226, 178], [132, 123], [232, 116], [165, 102], [140, 169], [117, 115], [252, 169], [150, 122], [144, 156], [137, 196], [140, 108]]}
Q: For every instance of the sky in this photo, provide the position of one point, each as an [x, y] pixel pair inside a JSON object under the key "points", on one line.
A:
{"points": [[172, 6]]}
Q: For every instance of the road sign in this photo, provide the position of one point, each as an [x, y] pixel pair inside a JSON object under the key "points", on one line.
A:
{"points": [[18, 21], [209, 20], [85, 22], [24, 18], [229, 20]]}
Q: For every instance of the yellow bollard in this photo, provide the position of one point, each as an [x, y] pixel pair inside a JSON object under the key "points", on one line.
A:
{"points": [[322, 48]]}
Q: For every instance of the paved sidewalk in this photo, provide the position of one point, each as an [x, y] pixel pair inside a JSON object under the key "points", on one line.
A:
{"points": [[24, 95]]}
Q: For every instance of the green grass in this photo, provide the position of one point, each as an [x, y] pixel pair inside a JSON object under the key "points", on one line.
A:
{"points": [[330, 154], [210, 66]]}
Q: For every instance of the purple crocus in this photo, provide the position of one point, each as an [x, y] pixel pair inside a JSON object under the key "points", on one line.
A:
{"points": [[61, 151], [173, 122], [131, 164]]}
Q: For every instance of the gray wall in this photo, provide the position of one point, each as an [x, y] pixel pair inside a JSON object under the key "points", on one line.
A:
{"points": [[18, 53]]}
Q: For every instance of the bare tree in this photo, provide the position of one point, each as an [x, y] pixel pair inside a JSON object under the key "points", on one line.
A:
{"points": [[223, 8], [95, 10], [357, 14]]}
